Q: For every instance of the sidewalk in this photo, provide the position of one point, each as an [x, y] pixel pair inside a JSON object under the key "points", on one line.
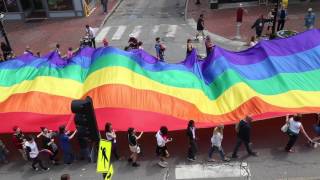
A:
{"points": [[222, 21], [43, 35]]}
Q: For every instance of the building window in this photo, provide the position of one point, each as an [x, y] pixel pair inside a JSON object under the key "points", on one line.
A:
{"points": [[60, 5], [9, 6]]}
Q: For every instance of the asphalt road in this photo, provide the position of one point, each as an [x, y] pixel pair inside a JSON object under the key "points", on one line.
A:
{"points": [[146, 20]]}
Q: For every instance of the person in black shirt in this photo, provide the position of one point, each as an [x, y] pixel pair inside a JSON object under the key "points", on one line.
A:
{"points": [[133, 146], [6, 51], [200, 27], [243, 129], [191, 133], [49, 144], [259, 25]]}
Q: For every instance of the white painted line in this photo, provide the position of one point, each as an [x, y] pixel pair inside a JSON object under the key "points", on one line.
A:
{"points": [[102, 34], [118, 34], [224, 170], [172, 29], [136, 31], [155, 29]]}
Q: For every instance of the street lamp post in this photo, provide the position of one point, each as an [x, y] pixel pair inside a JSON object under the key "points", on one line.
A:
{"points": [[3, 31], [275, 19]]}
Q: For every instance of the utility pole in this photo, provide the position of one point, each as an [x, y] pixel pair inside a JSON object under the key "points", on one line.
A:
{"points": [[3, 31]]}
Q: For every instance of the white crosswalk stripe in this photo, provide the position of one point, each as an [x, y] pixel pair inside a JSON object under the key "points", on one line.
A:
{"points": [[172, 30], [103, 33], [136, 32], [124, 32], [118, 34]]}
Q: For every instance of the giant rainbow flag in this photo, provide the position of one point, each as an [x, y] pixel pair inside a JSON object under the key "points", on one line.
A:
{"points": [[134, 89]]}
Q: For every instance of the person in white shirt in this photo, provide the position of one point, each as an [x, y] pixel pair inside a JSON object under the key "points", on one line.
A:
{"points": [[91, 34], [162, 150], [295, 126], [112, 137], [216, 141], [33, 153]]}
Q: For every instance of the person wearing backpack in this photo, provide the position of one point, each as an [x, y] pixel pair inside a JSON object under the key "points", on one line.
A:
{"points": [[243, 129], [160, 48], [283, 14]]}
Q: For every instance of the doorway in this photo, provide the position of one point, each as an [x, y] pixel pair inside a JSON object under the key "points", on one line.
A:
{"points": [[34, 9]]}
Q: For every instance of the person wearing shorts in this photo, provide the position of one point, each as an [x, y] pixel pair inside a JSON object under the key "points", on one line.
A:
{"points": [[133, 146], [162, 150]]}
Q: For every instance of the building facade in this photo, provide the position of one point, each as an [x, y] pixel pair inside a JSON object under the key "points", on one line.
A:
{"points": [[45, 9]]}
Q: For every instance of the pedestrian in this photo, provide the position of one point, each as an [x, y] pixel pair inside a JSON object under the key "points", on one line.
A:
{"points": [[253, 41], [18, 140], [48, 143], [310, 19], [3, 152], [270, 19], [243, 129], [239, 19], [160, 48], [105, 42], [134, 146], [140, 43], [162, 150], [112, 137], [91, 34], [189, 46], [191, 134], [69, 53], [216, 141], [259, 25], [28, 50], [209, 45], [38, 54], [33, 153], [6, 51], [64, 140], [200, 27], [57, 50], [65, 177], [83, 142], [317, 131], [294, 128], [133, 43], [283, 14], [104, 4]]}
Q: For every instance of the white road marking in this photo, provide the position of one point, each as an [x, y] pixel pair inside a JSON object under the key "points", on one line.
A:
{"points": [[136, 31], [155, 29], [102, 34], [172, 30], [198, 171], [118, 34]]}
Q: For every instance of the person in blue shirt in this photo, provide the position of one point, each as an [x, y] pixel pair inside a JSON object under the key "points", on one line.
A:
{"points": [[64, 139], [283, 14], [160, 48], [309, 19]]}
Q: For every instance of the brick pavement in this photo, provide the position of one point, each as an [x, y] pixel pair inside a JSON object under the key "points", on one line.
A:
{"points": [[222, 21], [43, 35]]}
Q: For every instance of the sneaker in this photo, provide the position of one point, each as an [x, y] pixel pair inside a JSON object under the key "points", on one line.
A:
{"points": [[191, 159], [211, 160], [36, 169], [226, 159], [253, 154], [135, 164], [234, 156], [46, 169]]}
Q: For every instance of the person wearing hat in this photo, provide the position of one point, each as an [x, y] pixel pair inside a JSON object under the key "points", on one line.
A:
{"points": [[309, 19]]}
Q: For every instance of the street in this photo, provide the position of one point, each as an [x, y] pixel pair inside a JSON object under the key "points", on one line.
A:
{"points": [[147, 20]]}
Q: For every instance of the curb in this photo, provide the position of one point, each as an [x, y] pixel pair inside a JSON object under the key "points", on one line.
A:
{"points": [[109, 14]]}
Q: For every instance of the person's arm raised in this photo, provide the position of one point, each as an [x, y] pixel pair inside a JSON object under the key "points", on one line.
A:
{"points": [[72, 135], [140, 135]]}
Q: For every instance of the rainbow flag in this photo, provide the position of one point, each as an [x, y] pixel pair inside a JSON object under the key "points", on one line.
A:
{"points": [[134, 89]]}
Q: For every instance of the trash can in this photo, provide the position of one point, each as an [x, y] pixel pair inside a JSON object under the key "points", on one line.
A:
{"points": [[213, 4]]}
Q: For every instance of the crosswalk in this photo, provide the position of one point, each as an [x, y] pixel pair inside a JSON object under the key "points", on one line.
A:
{"points": [[116, 33]]}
